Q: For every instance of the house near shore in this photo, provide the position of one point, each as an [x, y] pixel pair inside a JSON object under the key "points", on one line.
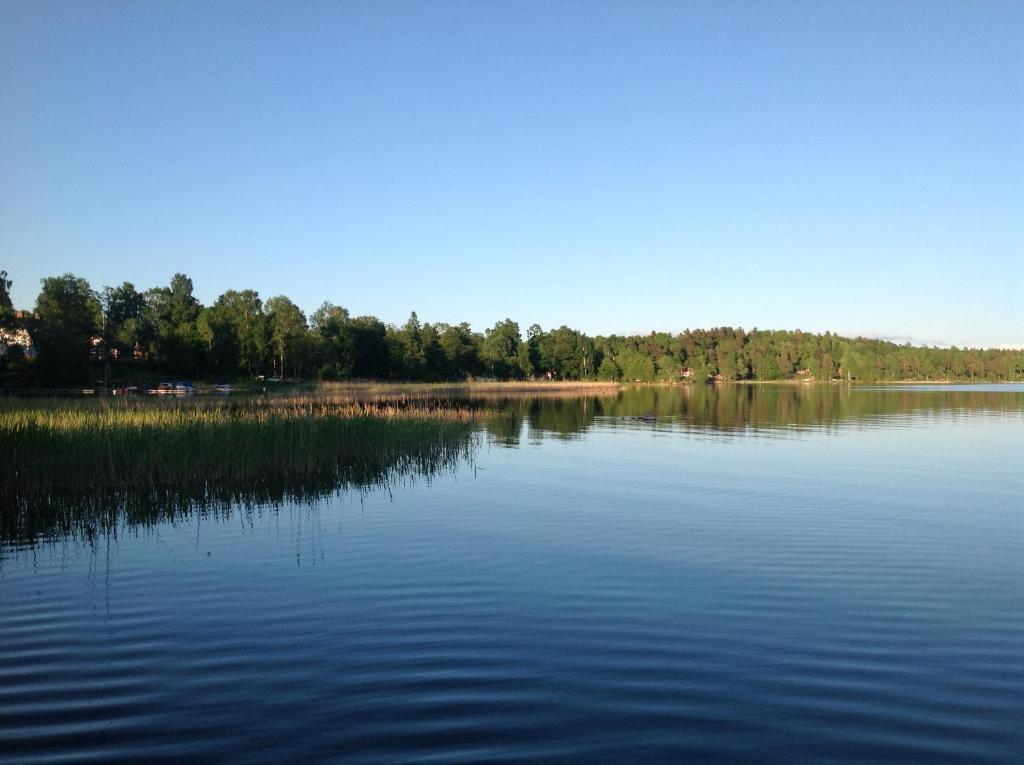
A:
{"points": [[97, 349], [16, 337]]}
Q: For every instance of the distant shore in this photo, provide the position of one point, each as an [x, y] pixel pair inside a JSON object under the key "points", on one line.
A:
{"points": [[378, 390], [870, 382]]}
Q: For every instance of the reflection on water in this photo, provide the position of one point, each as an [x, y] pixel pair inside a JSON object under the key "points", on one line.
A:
{"points": [[849, 589], [27, 516], [723, 409], [699, 409]]}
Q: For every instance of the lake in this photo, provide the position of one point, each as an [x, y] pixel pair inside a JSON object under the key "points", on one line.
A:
{"points": [[749, 574]]}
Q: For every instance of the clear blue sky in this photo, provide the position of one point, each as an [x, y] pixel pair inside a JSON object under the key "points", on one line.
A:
{"points": [[618, 167]]}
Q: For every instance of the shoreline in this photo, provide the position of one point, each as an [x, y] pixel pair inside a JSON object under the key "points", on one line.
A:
{"points": [[363, 390]]}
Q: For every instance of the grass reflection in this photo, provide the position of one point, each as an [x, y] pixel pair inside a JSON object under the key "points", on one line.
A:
{"points": [[75, 467]]}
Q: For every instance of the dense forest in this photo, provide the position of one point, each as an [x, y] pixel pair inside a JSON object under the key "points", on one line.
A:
{"points": [[76, 335]]}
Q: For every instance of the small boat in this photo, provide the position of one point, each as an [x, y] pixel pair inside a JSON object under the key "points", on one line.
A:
{"points": [[162, 389]]}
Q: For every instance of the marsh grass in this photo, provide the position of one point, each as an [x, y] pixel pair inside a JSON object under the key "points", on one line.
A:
{"points": [[73, 462], [370, 390]]}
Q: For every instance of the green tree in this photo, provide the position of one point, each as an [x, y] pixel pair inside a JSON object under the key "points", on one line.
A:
{"points": [[335, 347], [609, 370], [239, 330], [329, 319], [288, 330], [524, 360], [6, 306], [459, 347], [534, 334], [636, 365], [434, 366], [499, 351], [169, 326], [727, 354], [406, 356], [69, 314], [219, 343], [370, 347], [122, 315], [566, 353]]}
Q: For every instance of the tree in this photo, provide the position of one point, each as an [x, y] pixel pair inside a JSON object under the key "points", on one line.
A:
{"points": [[566, 353], [329, 319], [459, 347], [122, 303], [406, 356], [6, 307], [499, 352], [335, 344], [533, 338], [6, 315], [287, 328], [608, 370], [218, 341], [169, 326], [122, 314], [636, 366], [69, 314], [434, 362], [728, 357], [239, 334], [524, 360], [238, 327], [370, 348]]}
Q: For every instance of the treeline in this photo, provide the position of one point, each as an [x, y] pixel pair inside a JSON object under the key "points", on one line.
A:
{"points": [[166, 331]]}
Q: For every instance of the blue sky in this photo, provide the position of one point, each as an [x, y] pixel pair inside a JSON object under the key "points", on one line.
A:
{"points": [[618, 167]]}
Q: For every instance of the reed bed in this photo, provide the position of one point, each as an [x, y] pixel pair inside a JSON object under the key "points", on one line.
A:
{"points": [[366, 390], [64, 460]]}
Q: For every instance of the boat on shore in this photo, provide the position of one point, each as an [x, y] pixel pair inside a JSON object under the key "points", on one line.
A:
{"points": [[180, 388]]}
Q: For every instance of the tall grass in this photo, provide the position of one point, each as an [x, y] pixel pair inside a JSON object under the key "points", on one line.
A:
{"points": [[63, 461], [369, 389]]}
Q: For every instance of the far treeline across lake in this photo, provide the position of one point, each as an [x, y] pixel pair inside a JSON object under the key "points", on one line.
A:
{"points": [[77, 335]]}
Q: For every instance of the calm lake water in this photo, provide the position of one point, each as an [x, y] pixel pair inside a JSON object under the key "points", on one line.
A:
{"points": [[761, 574]]}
